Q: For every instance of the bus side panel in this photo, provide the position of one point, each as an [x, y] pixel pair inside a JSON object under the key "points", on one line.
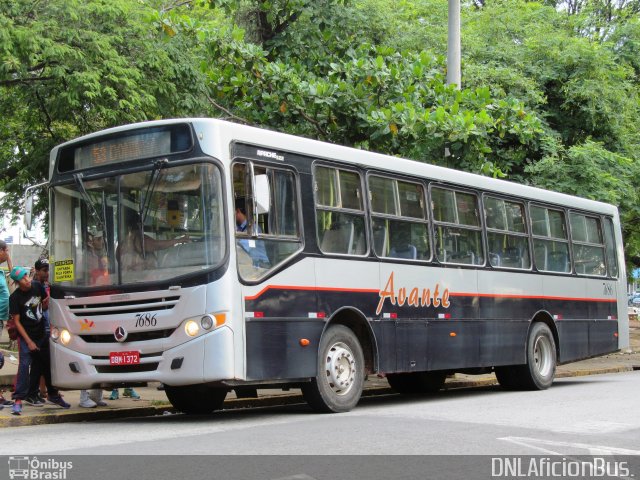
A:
{"points": [[574, 340], [454, 344], [274, 351], [603, 337], [411, 345], [503, 342], [385, 334]]}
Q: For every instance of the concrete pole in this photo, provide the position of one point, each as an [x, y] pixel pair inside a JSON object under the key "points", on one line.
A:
{"points": [[453, 44]]}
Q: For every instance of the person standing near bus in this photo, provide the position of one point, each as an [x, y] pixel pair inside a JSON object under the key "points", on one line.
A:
{"points": [[41, 275], [5, 256], [4, 287], [27, 304]]}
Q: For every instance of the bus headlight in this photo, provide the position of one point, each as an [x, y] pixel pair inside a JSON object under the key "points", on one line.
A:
{"points": [[207, 322], [191, 328], [55, 333], [65, 336]]}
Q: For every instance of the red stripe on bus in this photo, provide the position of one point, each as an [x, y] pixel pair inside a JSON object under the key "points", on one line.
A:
{"points": [[535, 297], [311, 289], [453, 294]]}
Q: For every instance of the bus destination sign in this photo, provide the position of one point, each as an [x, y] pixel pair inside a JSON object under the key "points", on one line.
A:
{"points": [[131, 147]]}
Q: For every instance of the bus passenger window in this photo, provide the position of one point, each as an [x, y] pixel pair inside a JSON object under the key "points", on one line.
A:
{"points": [[506, 233], [399, 219], [550, 242], [612, 259], [458, 233], [588, 245], [266, 218], [339, 211]]}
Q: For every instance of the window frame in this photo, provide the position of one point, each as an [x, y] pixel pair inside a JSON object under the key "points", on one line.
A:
{"points": [[435, 223], [425, 221], [614, 247], [566, 240], [364, 213], [527, 233], [602, 245], [251, 233]]}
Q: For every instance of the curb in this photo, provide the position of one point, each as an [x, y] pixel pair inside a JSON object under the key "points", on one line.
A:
{"points": [[267, 401]]}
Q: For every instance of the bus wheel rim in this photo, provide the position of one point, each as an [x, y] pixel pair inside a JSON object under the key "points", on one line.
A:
{"points": [[340, 368], [543, 356]]}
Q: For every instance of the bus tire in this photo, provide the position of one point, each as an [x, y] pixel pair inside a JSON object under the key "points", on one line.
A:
{"points": [[196, 399], [539, 371], [508, 377], [416, 383], [339, 380]]}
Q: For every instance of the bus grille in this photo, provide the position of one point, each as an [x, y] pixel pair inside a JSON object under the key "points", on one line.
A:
{"points": [[131, 306], [133, 337], [141, 367]]}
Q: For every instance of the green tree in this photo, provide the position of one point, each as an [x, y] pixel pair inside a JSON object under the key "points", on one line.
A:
{"points": [[70, 67]]}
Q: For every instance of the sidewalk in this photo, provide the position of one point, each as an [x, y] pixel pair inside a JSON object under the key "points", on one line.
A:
{"points": [[154, 401]]}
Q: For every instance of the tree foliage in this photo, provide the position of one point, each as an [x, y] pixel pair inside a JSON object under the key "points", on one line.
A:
{"points": [[549, 97]]}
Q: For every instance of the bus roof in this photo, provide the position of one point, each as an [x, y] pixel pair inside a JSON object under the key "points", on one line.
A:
{"points": [[228, 131]]}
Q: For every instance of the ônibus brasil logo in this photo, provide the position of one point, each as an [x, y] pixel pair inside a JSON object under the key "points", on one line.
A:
{"points": [[35, 469]]}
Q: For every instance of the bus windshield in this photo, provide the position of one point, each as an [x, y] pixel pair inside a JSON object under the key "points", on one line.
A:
{"points": [[146, 226]]}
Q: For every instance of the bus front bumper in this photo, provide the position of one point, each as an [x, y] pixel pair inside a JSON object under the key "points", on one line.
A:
{"points": [[208, 358]]}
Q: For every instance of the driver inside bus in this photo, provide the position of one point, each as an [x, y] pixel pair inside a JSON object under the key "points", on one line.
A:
{"points": [[254, 248], [136, 253]]}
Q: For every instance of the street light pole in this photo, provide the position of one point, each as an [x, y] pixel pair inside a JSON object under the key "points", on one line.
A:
{"points": [[453, 58], [453, 45]]}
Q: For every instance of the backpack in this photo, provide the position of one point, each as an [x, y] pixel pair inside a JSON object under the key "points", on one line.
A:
{"points": [[12, 330]]}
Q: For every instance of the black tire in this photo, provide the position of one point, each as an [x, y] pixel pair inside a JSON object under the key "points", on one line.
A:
{"points": [[196, 399], [508, 377], [416, 383], [539, 371], [541, 358], [338, 384]]}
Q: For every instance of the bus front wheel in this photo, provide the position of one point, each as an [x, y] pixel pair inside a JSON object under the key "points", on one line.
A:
{"points": [[196, 399], [338, 384]]}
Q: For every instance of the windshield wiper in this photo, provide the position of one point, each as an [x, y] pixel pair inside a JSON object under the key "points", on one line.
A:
{"points": [[145, 201], [92, 206]]}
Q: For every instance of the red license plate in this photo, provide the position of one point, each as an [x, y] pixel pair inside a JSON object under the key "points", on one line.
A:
{"points": [[124, 358]]}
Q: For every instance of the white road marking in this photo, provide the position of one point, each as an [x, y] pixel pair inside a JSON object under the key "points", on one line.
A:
{"points": [[534, 443]]}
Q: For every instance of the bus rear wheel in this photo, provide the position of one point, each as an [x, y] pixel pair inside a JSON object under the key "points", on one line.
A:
{"points": [[338, 384], [196, 399], [539, 371], [415, 383]]}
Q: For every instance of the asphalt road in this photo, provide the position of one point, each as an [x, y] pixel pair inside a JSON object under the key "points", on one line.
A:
{"points": [[577, 416]]}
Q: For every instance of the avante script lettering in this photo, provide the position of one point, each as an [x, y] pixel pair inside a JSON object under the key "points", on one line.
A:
{"points": [[416, 298]]}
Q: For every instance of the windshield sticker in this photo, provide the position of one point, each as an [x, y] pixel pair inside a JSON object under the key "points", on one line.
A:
{"points": [[63, 271], [416, 298]]}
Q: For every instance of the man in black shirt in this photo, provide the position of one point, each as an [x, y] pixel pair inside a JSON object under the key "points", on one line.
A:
{"points": [[27, 304]]}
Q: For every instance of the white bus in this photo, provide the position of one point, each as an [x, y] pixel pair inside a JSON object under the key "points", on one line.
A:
{"points": [[211, 256]]}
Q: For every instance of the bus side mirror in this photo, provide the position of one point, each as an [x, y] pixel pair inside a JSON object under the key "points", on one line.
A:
{"points": [[262, 193], [28, 205], [28, 211]]}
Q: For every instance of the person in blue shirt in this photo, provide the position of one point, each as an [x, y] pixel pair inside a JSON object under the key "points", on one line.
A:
{"points": [[254, 248], [4, 288], [4, 299]]}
